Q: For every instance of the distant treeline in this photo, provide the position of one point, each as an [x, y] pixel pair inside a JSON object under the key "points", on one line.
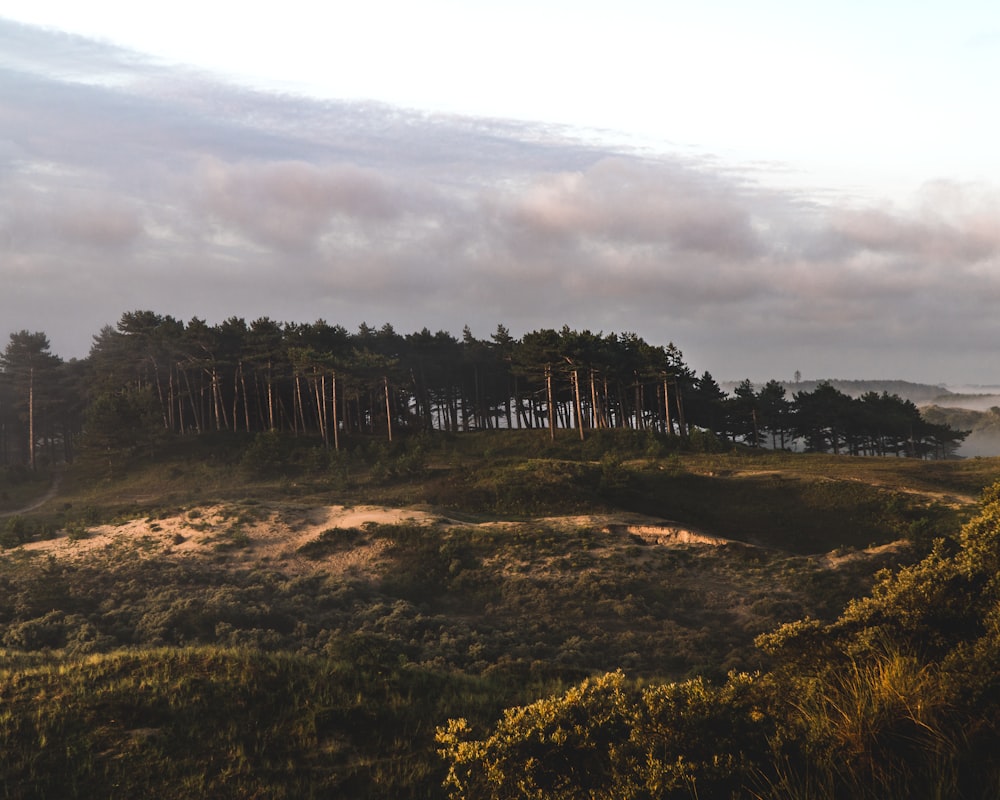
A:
{"points": [[152, 375], [920, 393]]}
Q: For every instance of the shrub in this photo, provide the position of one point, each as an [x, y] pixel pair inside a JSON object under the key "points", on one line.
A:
{"points": [[266, 457], [14, 533], [607, 739]]}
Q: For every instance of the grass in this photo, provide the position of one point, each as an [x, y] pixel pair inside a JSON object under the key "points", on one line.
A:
{"points": [[520, 474], [143, 672], [177, 723]]}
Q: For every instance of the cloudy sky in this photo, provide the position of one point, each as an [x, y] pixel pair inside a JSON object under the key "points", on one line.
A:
{"points": [[772, 186]]}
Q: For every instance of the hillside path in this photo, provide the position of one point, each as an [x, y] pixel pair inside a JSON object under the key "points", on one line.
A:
{"points": [[53, 490]]}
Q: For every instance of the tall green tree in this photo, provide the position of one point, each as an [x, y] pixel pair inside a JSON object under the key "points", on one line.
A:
{"points": [[775, 413], [706, 406], [821, 418], [264, 345], [31, 367], [119, 424], [743, 414], [537, 359]]}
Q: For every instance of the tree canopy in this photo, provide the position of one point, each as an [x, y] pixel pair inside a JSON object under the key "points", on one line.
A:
{"points": [[320, 379]]}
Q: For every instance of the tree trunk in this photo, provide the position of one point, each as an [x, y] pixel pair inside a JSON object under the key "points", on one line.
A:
{"points": [[246, 400], [164, 407], [667, 425], [388, 408], [640, 421], [31, 417], [270, 398], [336, 422], [319, 392], [551, 408], [595, 412], [218, 407], [681, 423], [198, 420], [579, 403]]}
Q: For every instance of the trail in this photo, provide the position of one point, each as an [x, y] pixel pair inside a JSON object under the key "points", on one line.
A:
{"points": [[954, 499], [53, 490]]}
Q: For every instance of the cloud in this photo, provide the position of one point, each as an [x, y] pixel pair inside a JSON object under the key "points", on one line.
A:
{"points": [[635, 202], [950, 223], [290, 204], [124, 184], [33, 216]]}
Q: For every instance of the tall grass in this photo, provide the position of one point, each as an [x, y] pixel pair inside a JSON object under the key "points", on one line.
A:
{"points": [[223, 723], [880, 728]]}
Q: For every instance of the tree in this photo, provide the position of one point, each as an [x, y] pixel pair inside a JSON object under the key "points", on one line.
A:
{"points": [[30, 366], [775, 412], [434, 365], [706, 407], [140, 352], [538, 355], [821, 418], [119, 424], [264, 344], [743, 414]]}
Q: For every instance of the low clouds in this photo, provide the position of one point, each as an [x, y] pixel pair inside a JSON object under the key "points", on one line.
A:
{"points": [[949, 223], [636, 203], [291, 204], [124, 185], [72, 216]]}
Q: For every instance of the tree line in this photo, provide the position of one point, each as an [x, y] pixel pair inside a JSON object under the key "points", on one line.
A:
{"points": [[152, 375]]}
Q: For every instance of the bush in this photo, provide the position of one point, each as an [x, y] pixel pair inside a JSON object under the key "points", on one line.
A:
{"points": [[607, 739], [265, 457], [14, 533]]}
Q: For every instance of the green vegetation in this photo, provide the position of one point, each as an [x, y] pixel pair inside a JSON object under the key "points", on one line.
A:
{"points": [[896, 698], [226, 723], [178, 657]]}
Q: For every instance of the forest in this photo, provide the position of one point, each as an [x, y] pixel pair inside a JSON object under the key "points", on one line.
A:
{"points": [[151, 376]]}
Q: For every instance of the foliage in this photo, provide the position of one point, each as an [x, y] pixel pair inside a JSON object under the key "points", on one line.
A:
{"points": [[878, 726], [34, 407], [896, 698], [122, 423], [14, 532], [152, 375], [606, 739], [267, 455], [221, 723], [905, 700]]}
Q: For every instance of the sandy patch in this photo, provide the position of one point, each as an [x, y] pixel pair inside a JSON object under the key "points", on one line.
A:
{"points": [[666, 534], [244, 535], [837, 559], [273, 535]]}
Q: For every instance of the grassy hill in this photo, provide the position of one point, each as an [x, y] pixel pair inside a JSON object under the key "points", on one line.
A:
{"points": [[265, 618]]}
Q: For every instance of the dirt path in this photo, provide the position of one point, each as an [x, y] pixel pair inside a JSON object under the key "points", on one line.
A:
{"points": [[954, 499], [51, 493]]}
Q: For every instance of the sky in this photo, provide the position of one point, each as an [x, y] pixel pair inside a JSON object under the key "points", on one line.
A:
{"points": [[774, 187]]}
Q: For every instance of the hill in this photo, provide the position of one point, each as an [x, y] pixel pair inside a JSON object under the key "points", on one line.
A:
{"points": [[984, 426], [209, 623], [919, 393], [970, 411]]}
